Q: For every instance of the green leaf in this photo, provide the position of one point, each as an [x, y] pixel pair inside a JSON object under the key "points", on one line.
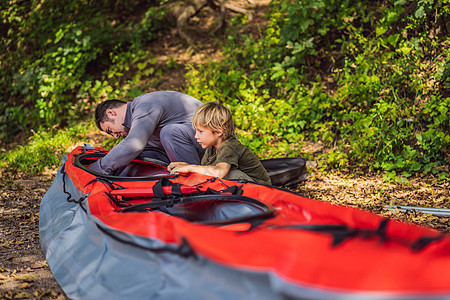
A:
{"points": [[380, 30], [393, 39], [58, 36], [142, 65], [400, 2], [419, 137], [420, 12]]}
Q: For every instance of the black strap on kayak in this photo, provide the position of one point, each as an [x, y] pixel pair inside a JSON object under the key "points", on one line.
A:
{"points": [[424, 241], [233, 190], [341, 233], [159, 192]]}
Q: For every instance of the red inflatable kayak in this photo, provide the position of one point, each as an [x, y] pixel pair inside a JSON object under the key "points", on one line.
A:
{"points": [[201, 237]]}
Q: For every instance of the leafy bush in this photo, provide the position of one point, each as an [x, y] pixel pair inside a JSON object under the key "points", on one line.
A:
{"points": [[56, 60], [370, 80]]}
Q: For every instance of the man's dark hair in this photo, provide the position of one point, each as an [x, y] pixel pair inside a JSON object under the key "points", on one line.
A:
{"points": [[100, 111]]}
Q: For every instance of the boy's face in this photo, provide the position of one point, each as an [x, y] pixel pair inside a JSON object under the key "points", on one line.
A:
{"points": [[207, 138]]}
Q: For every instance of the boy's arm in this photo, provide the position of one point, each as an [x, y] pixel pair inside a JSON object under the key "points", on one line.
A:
{"points": [[219, 170]]}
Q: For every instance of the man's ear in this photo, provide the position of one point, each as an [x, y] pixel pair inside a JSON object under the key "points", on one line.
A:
{"points": [[111, 112]]}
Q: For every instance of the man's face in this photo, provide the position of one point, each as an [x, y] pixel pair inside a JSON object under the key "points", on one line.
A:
{"points": [[114, 126]]}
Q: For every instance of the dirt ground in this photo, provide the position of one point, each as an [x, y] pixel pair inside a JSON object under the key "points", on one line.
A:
{"points": [[24, 273]]}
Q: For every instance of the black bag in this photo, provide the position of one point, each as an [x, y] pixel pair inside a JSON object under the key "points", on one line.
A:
{"points": [[286, 171]]}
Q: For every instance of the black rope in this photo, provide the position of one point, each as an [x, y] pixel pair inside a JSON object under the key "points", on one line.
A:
{"points": [[119, 202], [69, 195], [112, 185], [184, 250]]}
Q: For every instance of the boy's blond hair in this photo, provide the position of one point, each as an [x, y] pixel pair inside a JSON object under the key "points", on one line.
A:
{"points": [[214, 116]]}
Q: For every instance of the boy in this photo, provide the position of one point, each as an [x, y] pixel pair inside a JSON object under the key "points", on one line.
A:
{"points": [[225, 156]]}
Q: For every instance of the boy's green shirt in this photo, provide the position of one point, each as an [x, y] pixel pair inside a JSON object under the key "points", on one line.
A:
{"points": [[239, 157]]}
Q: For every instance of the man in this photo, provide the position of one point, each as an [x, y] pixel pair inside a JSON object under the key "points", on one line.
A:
{"points": [[156, 125]]}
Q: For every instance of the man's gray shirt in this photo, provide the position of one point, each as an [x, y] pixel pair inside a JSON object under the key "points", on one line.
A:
{"points": [[146, 115]]}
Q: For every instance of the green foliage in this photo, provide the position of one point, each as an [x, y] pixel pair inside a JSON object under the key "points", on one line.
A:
{"points": [[368, 79], [44, 150], [57, 60]]}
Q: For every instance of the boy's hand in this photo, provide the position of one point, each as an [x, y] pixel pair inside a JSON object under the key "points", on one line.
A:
{"points": [[174, 167]]}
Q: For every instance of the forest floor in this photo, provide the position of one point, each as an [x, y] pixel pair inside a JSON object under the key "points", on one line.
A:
{"points": [[24, 273]]}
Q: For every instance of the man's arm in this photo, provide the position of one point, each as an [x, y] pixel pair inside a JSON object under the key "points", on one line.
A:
{"points": [[142, 126], [120, 156]]}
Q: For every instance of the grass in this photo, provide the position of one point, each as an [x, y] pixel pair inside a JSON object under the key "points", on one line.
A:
{"points": [[45, 149]]}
